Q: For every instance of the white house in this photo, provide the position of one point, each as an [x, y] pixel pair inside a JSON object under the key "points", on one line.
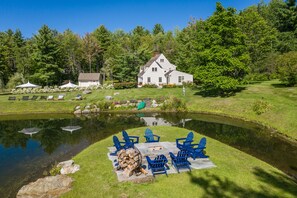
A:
{"points": [[89, 79], [158, 70]]}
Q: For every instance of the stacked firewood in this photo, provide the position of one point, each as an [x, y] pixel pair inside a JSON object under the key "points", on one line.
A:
{"points": [[130, 161]]}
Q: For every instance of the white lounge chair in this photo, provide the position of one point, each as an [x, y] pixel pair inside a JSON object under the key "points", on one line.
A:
{"points": [[61, 97], [50, 98]]}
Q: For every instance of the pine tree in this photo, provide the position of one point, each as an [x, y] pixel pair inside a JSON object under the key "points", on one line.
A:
{"points": [[47, 68], [158, 28], [225, 55]]}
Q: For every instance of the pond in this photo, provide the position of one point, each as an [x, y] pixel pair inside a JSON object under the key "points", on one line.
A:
{"points": [[30, 145]]}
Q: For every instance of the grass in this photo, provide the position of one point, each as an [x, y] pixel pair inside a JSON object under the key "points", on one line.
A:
{"points": [[280, 114], [237, 174]]}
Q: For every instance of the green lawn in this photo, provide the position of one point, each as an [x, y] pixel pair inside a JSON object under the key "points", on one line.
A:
{"points": [[237, 174], [281, 115]]}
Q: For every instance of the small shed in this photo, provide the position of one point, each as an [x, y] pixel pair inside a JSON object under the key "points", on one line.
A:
{"points": [[89, 79]]}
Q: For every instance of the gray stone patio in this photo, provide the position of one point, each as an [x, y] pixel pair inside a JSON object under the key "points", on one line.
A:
{"points": [[152, 150]]}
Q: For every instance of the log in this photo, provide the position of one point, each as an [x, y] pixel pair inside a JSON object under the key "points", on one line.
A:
{"points": [[130, 161], [143, 171]]}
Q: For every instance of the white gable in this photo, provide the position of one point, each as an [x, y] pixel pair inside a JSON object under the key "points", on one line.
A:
{"points": [[156, 69], [164, 62]]}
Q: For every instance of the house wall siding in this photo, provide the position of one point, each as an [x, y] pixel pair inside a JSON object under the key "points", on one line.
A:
{"points": [[162, 68], [88, 83], [154, 75], [173, 77]]}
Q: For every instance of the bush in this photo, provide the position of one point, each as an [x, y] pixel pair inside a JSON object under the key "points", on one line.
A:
{"points": [[257, 77], [220, 86], [149, 86], [15, 80], [161, 99], [174, 104], [170, 86], [105, 105], [260, 106], [55, 170], [287, 68], [125, 85]]}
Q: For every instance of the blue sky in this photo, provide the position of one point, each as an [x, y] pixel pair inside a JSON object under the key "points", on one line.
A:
{"points": [[85, 15]]}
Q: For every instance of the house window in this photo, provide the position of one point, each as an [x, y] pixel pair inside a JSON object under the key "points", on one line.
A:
{"points": [[162, 60], [148, 79], [154, 69], [181, 79], [160, 79]]}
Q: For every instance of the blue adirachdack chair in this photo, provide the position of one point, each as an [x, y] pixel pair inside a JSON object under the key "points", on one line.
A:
{"points": [[180, 160], [158, 165], [118, 145], [184, 143], [130, 140], [150, 137], [197, 150]]}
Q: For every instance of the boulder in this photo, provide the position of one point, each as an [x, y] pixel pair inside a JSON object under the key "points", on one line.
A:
{"points": [[154, 104], [47, 187], [68, 167], [108, 97], [78, 111], [87, 92], [77, 108], [86, 111], [87, 107], [117, 106], [95, 110], [66, 163]]}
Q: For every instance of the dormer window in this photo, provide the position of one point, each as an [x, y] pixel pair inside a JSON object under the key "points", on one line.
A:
{"points": [[162, 60]]}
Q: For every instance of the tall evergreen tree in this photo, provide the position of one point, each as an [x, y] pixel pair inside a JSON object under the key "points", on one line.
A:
{"points": [[225, 53], [261, 38], [158, 28], [47, 63]]}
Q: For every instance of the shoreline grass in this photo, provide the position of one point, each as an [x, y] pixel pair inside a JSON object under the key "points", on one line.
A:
{"points": [[237, 174], [280, 115]]}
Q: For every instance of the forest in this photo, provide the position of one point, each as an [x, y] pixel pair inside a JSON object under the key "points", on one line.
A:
{"points": [[224, 51]]}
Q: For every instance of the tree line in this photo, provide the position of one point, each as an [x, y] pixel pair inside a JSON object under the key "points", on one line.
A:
{"points": [[223, 51]]}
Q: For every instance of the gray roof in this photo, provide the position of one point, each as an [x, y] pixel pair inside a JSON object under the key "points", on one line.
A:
{"points": [[159, 65], [88, 76], [153, 59], [167, 73]]}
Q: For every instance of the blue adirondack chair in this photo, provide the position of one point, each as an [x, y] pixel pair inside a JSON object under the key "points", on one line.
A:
{"points": [[118, 145], [158, 165], [130, 140], [180, 160], [197, 150], [184, 143], [150, 137]]}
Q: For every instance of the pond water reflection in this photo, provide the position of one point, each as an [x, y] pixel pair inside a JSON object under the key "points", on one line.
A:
{"points": [[24, 157]]}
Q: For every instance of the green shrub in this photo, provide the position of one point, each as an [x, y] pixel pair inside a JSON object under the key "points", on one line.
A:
{"points": [[55, 170], [125, 85], [161, 99], [170, 86], [260, 106], [174, 104], [149, 86], [105, 105], [256, 77]]}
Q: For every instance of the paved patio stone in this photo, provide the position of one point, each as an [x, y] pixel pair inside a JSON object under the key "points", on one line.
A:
{"points": [[147, 149]]}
